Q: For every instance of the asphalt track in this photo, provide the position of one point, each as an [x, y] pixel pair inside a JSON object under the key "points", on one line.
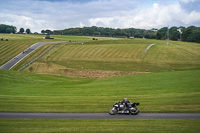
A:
{"points": [[23, 54], [100, 116]]}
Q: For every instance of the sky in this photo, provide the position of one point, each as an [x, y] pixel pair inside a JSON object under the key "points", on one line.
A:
{"points": [[40, 15]]}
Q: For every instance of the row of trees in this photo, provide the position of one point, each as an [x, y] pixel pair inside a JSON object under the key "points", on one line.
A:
{"points": [[100, 31], [12, 29], [46, 32], [28, 31], [189, 34], [7, 29]]}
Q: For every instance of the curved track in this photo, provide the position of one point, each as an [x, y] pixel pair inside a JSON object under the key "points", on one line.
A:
{"points": [[23, 54], [101, 116]]}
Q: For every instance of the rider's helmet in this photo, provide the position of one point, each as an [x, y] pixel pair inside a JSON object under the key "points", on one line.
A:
{"points": [[125, 100]]}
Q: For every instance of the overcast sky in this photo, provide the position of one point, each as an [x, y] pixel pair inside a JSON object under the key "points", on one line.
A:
{"points": [[61, 14]]}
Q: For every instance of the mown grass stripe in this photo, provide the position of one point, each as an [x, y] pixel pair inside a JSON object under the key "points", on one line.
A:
{"points": [[4, 45], [14, 50], [91, 52]]}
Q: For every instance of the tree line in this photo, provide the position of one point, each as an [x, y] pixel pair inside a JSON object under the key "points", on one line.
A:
{"points": [[189, 34], [7, 29], [12, 29], [106, 32]]}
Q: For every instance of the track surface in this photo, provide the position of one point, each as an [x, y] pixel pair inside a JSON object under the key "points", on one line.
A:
{"points": [[22, 55], [101, 116]]}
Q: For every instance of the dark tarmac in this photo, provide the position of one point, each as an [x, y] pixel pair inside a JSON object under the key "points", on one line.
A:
{"points": [[100, 116]]}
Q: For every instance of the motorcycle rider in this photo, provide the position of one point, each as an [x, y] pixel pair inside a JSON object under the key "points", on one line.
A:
{"points": [[126, 102], [124, 107]]}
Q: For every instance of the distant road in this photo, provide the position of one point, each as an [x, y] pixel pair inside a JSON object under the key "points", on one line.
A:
{"points": [[23, 54], [101, 116]]}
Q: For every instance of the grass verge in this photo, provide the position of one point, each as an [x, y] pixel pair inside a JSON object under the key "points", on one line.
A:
{"points": [[85, 126]]}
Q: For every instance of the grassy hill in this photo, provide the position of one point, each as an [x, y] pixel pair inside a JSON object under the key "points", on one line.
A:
{"points": [[18, 42], [157, 92], [100, 59], [171, 86], [110, 57], [118, 57], [169, 91]]}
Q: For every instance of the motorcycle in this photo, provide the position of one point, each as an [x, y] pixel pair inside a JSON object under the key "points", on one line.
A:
{"points": [[121, 108]]}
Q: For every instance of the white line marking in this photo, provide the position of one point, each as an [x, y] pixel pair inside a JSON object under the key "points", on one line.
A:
{"points": [[148, 47]]}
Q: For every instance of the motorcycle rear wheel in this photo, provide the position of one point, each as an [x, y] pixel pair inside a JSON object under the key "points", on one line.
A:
{"points": [[113, 111], [135, 112]]}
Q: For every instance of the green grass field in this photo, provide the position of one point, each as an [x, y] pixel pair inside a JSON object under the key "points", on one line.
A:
{"points": [[66, 82], [157, 92], [119, 55], [162, 90], [85, 126]]}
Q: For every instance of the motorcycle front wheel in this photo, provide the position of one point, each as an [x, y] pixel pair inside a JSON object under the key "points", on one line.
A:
{"points": [[113, 111], [135, 112]]}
